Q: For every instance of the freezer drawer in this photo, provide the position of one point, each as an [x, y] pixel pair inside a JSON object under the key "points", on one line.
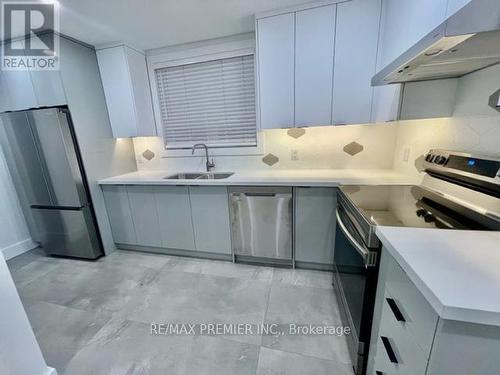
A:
{"points": [[67, 232], [261, 222]]}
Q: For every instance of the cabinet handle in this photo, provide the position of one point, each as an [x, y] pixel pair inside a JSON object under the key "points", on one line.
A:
{"points": [[395, 310], [379, 373], [389, 350]]}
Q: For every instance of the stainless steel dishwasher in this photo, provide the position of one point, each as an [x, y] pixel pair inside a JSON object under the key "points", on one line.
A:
{"points": [[261, 224]]}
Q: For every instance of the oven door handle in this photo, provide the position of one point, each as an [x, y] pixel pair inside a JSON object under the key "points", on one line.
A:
{"points": [[369, 257]]}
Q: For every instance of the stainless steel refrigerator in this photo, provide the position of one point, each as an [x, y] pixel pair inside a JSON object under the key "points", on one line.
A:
{"points": [[44, 161]]}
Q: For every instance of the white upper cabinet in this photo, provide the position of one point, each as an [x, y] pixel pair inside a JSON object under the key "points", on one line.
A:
{"points": [[315, 64], [356, 41], [275, 49], [18, 86], [48, 87], [128, 95], [314, 50], [25, 89], [295, 67]]}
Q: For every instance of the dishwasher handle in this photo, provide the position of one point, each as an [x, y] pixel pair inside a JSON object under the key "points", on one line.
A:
{"points": [[257, 194]]}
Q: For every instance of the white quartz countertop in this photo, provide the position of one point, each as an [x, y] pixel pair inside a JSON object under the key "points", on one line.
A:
{"points": [[307, 177], [458, 272]]}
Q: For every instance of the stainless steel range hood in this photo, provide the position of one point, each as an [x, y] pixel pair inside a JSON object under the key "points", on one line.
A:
{"points": [[467, 41]]}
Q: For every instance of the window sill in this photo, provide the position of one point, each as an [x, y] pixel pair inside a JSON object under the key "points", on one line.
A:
{"points": [[221, 151]]}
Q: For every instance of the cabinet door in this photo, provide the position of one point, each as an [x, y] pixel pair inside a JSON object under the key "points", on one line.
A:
{"points": [[355, 60], [19, 88], [118, 91], [4, 94], [314, 50], [120, 216], [315, 224], [174, 213], [48, 88], [275, 45], [128, 95], [210, 212], [144, 215], [141, 92]]}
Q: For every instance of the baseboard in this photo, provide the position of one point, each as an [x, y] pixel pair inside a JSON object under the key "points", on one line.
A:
{"points": [[18, 248], [182, 253], [314, 266]]}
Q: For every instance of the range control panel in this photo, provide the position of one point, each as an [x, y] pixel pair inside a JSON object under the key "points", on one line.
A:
{"points": [[457, 161]]}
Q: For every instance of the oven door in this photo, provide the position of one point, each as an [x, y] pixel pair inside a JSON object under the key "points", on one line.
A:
{"points": [[355, 282]]}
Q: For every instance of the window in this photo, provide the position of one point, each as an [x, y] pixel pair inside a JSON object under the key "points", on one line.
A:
{"points": [[210, 102]]}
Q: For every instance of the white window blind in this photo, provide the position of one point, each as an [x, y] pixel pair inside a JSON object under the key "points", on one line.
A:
{"points": [[211, 102]]}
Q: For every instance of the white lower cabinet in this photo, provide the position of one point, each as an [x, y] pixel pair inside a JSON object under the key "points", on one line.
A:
{"points": [[315, 225], [402, 338], [174, 214], [120, 216], [194, 218], [410, 338], [145, 215], [210, 212]]}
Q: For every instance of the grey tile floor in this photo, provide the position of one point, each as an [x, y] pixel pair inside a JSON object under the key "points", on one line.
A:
{"points": [[95, 317]]}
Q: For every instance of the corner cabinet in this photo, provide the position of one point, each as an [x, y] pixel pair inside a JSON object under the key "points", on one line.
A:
{"points": [[314, 65], [128, 95]]}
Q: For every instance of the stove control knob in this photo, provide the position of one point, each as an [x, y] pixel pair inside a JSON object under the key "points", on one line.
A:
{"points": [[440, 160], [428, 217], [428, 157], [421, 212]]}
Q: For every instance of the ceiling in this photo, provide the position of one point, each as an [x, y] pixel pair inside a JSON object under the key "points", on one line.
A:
{"points": [[147, 24]]}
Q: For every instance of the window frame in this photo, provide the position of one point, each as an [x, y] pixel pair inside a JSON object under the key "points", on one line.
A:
{"points": [[215, 49]]}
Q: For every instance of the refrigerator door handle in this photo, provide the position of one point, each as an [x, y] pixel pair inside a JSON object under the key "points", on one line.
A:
{"points": [[59, 208]]}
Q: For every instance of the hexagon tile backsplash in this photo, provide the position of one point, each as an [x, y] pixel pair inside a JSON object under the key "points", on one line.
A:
{"points": [[467, 134], [372, 146]]}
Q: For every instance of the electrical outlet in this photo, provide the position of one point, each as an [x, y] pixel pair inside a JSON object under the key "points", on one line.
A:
{"points": [[406, 153], [294, 154]]}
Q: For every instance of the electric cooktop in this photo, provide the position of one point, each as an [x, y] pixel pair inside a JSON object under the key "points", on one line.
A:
{"points": [[413, 206]]}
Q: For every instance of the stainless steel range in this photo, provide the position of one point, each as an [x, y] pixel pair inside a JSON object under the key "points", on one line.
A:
{"points": [[459, 191]]}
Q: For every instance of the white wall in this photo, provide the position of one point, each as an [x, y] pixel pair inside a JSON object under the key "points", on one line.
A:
{"points": [[19, 350], [15, 238]]}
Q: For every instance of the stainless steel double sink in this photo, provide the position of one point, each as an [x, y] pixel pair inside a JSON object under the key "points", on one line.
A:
{"points": [[199, 176]]}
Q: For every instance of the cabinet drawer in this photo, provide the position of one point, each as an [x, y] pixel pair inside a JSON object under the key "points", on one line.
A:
{"points": [[419, 318], [384, 366], [395, 340]]}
